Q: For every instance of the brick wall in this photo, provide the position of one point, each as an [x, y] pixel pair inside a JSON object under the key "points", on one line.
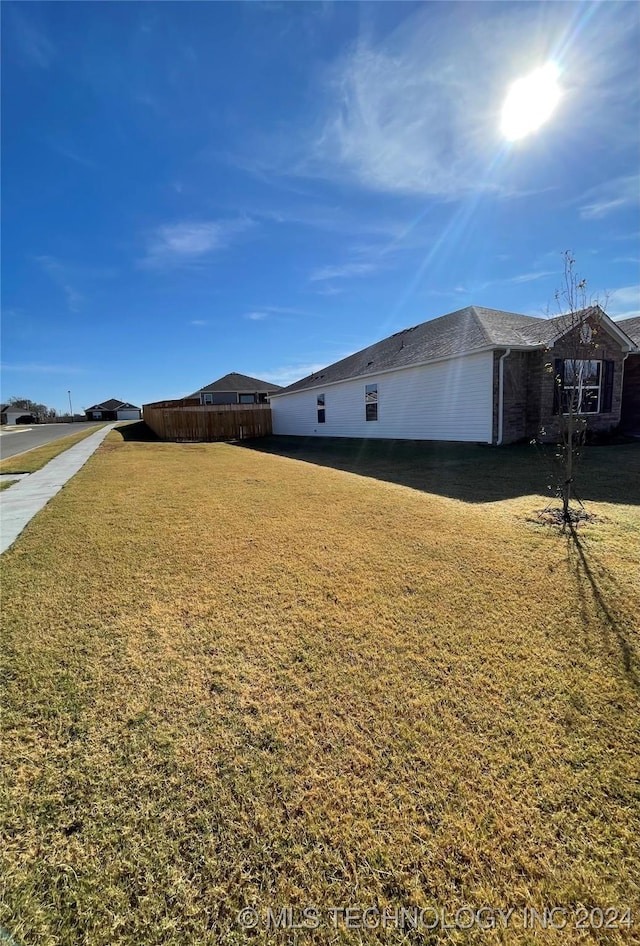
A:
{"points": [[522, 393], [602, 348], [529, 383]]}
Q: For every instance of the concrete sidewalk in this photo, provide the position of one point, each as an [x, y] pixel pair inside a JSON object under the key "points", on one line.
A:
{"points": [[20, 503]]}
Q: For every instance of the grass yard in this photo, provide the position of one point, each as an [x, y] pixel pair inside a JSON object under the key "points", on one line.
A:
{"points": [[5, 484], [35, 459], [236, 679]]}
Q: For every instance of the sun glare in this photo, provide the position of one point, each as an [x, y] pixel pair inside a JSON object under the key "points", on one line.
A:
{"points": [[530, 102]]}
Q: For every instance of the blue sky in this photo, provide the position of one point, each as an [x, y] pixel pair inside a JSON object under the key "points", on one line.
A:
{"points": [[196, 188]]}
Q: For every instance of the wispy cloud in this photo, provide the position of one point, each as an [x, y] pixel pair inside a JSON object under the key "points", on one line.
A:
{"points": [[407, 114], [188, 243], [624, 302], [391, 129], [401, 115], [619, 194], [416, 111], [287, 374], [526, 277], [284, 310], [346, 271], [29, 38], [198, 322], [337, 220], [72, 155], [520, 279], [330, 291], [59, 274], [268, 311]]}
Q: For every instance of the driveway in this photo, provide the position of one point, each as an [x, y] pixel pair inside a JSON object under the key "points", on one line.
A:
{"points": [[14, 440]]}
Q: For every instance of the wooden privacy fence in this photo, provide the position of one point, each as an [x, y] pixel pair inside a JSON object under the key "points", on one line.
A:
{"points": [[217, 422]]}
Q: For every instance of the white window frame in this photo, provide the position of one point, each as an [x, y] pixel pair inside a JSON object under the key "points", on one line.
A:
{"points": [[578, 384], [207, 398], [371, 398], [321, 405]]}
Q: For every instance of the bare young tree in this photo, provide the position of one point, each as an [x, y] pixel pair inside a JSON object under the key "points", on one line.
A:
{"points": [[577, 377]]}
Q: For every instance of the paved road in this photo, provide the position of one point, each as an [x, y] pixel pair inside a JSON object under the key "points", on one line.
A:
{"points": [[15, 440]]}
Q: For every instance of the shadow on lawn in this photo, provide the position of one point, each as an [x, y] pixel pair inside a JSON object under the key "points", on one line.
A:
{"points": [[588, 574], [137, 433], [474, 473]]}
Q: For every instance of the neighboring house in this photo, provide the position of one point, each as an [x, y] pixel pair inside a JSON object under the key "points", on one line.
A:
{"points": [[113, 410], [477, 374], [236, 388], [15, 415], [630, 416]]}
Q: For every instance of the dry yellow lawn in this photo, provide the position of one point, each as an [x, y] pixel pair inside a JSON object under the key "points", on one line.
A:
{"points": [[37, 457], [235, 679]]}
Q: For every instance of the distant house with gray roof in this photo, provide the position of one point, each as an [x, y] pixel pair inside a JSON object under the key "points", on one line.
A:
{"points": [[10, 415], [236, 388], [478, 375], [113, 409]]}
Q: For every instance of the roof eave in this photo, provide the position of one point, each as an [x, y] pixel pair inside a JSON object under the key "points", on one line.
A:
{"points": [[626, 343], [417, 364]]}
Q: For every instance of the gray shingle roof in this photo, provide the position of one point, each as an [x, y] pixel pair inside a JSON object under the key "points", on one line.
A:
{"points": [[467, 330], [631, 327], [239, 382], [113, 404]]}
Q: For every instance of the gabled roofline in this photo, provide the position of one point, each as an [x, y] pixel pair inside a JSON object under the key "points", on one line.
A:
{"points": [[417, 364], [234, 391], [617, 331], [603, 319], [119, 406], [258, 386]]}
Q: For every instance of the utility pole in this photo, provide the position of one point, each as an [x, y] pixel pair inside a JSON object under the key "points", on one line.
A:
{"points": [[70, 408]]}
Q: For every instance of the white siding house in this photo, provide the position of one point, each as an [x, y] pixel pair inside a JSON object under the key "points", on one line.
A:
{"points": [[10, 415], [477, 375], [451, 399]]}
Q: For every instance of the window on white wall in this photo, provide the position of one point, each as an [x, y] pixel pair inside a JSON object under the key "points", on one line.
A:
{"points": [[371, 401], [321, 409]]}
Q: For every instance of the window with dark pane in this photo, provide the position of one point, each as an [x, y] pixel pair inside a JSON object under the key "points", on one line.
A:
{"points": [[321, 409], [371, 401], [581, 386]]}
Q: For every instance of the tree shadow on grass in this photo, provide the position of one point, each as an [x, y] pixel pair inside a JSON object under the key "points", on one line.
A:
{"points": [[474, 473], [137, 432], [589, 575]]}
